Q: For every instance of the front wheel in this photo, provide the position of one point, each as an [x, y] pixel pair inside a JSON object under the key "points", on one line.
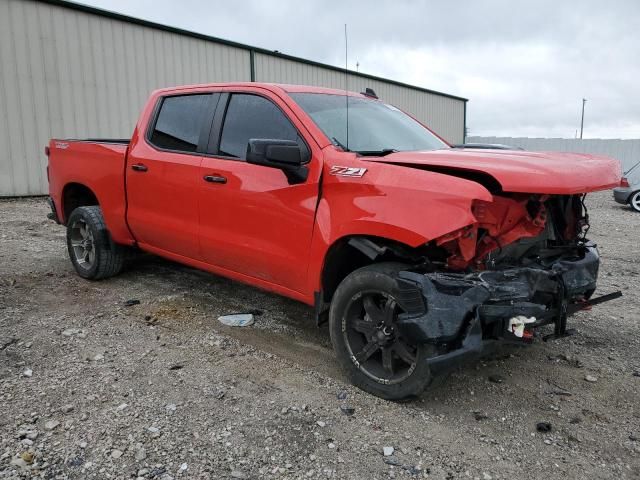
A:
{"points": [[634, 201], [375, 355], [92, 253]]}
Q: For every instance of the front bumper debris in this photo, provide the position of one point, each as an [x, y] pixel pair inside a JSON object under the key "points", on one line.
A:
{"points": [[463, 313]]}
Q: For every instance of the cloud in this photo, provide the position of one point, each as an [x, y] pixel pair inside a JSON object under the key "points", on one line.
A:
{"points": [[525, 66]]}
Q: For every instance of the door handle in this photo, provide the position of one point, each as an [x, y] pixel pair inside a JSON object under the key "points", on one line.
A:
{"points": [[139, 167], [215, 179]]}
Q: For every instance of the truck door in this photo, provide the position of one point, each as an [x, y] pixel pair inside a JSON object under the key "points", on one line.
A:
{"points": [[163, 175], [252, 220]]}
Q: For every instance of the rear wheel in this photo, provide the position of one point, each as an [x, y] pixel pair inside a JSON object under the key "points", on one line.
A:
{"points": [[93, 255], [634, 201], [375, 355]]}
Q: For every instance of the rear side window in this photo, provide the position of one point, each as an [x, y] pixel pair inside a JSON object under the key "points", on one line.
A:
{"points": [[179, 122], [251, 116]]}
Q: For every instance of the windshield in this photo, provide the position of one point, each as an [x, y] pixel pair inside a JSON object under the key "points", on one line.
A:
{"points": [[374, 127]]}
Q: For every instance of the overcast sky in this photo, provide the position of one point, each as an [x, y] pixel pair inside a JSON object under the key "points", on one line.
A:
{"points": [[524, 66]]}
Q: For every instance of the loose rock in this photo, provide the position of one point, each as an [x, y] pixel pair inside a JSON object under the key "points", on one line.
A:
{"points": [[543, 427], [51, 425]]}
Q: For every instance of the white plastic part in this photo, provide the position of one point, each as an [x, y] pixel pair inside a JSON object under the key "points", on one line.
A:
{"points": [[517, 324], [237, 320]]}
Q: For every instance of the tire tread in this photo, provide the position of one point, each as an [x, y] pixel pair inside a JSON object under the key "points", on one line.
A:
{"points": [[110, 256]]}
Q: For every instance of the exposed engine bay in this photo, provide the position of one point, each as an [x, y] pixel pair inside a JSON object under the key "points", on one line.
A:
{"points": [[526, 263]]}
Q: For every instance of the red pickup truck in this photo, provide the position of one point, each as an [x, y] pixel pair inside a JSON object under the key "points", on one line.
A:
{"points": [[419, 255]]}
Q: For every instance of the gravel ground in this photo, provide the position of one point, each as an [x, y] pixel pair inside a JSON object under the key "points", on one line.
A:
{"points": [[93, 389]]}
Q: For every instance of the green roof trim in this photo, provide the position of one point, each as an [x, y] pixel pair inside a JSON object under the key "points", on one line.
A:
{"points": [[138, 21]]}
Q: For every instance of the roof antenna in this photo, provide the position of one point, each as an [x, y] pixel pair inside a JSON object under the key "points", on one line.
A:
{"points": [[346, 79]]}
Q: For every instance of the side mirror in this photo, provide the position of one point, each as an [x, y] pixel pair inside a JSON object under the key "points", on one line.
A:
{"points": [[285, 155]]}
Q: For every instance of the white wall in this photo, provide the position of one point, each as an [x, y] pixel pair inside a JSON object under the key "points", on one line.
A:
{"points": [[76, 73], [627, 151]]}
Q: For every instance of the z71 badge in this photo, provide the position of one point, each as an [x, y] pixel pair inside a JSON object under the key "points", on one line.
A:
{"points": [[348, 171]]}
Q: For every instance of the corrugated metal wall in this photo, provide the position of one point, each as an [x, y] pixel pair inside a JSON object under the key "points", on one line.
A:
{"points": [[67, 73], [442, 114], [627, 151], [70, 73]]}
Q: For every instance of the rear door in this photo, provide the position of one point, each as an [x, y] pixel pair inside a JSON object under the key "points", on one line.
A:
{"points": [[252, 220], [163, 174]]}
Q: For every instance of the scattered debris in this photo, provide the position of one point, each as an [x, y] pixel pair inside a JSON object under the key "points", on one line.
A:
{"points": [[543, 427], [388, 451], [636, 373], [27, 372], [132, 302], [342, 395], [496, 378], [51, 425], [320, 423], [27, 457], [558, 390], [347, 410], [70, 332], [115, 453], [75, 462], [591, 378], [219, 395], [237, 319], [140, 455], [480, 416], [238, 474], [517, 324], [8, 342], [633, 438], [176, 366]]}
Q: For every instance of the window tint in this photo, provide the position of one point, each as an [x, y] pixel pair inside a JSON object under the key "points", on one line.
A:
{"points": [[251, 116], [179, 122]]}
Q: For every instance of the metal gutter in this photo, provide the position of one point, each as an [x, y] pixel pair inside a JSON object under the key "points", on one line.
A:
{"points": [[252, 50]]}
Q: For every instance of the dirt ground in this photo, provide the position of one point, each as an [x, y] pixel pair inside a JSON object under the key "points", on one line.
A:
{"points": [[93, 389]]}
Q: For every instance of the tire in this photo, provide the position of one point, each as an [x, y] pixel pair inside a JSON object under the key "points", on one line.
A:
{"points": [[353, 331], [93, 255], [634, 201]]}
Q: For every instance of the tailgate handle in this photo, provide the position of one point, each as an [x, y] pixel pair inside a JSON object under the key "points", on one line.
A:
{"points": [[215, 179], [139, 167]]}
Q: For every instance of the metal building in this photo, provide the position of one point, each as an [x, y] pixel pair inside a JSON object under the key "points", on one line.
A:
{"points": [[73, 71], [626, 151]]}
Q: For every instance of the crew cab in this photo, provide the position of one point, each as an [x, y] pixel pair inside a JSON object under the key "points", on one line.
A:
{"points": [[418, 255]]}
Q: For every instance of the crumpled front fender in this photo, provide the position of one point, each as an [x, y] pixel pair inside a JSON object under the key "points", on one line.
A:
{"points": [[438, 306]]}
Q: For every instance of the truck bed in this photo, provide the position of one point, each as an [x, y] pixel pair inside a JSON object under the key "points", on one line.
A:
{"points": [[98, 165]]}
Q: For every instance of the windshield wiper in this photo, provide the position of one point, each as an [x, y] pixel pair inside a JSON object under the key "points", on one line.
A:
{"points": [[377, 153], [339, 144]]}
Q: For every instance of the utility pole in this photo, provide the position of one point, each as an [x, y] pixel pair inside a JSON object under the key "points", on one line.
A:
{"points": [[584, 100]]}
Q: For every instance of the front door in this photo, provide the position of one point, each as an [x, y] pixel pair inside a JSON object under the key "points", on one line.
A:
{"points": [[252, 220]]}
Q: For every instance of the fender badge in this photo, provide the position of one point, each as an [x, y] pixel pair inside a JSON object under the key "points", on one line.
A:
{"points": [[61, 145], [347, 171]]}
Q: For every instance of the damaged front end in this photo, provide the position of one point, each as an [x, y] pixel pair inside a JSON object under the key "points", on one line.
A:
{"points": [[525, 264]]}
